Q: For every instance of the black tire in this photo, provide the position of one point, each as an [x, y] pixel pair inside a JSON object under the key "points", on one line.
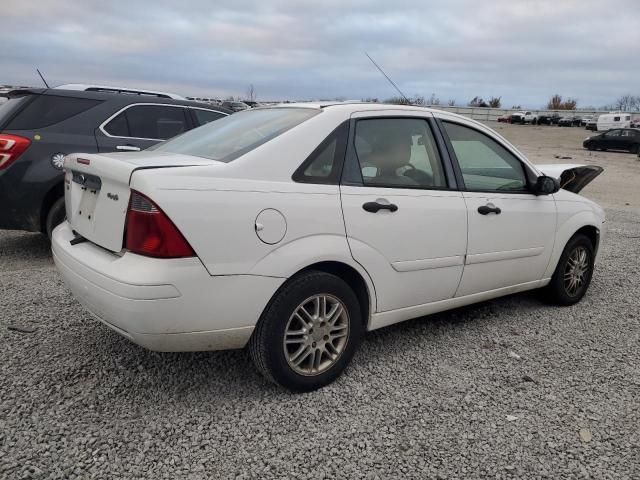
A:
{"points": [[557, 291], [55, 216], [266, 345], [591, 147], [634, 148]]}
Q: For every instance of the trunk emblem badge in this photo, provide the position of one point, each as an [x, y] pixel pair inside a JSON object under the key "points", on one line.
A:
{"points": [[112, 196]]}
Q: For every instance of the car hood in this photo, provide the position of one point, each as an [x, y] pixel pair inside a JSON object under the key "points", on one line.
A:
{"points": [[572, 177]]}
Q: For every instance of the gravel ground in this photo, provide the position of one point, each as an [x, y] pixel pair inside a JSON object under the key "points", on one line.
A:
{"points": [[510, 388]]}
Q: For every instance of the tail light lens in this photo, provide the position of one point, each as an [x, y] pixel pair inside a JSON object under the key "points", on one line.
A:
{"points": [[150, 232], [11, 147]]}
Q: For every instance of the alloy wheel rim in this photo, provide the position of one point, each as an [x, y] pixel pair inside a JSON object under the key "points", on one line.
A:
{"points": [[316, 334], [575, 272]]}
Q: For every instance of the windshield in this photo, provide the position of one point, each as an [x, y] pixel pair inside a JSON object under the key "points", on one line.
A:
{"points": [[231, 137]]}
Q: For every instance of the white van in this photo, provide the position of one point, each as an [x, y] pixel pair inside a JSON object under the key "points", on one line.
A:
{"points": [[608, 121]]}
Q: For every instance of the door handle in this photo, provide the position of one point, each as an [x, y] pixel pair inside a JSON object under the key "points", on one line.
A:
{"points": [[128, 148], [489, 208], [373, 207]]}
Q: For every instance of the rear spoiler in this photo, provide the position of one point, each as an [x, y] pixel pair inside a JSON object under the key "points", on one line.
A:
{"points": [[572, 177], [21, 92]]}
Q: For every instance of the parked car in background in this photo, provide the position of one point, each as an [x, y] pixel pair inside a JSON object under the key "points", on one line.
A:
{"points": [[548, 118], [39, 127], [627, 139], [294, 229], [235, 106], [635, 123], [569, 121], [585, 119], [607, 121], [506, 118], [524, 118], [592, 124]]}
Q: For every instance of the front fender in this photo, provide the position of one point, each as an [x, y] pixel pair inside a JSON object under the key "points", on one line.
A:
{"points": [[289, 259], [566, 230]]}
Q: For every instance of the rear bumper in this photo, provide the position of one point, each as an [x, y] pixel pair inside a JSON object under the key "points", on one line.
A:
{"points": [[160, 304]]}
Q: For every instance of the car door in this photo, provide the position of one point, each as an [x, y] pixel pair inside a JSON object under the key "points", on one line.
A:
{"points": [[628, 139], [405, 222], [511, 230], [611, 139], [139, 126]]}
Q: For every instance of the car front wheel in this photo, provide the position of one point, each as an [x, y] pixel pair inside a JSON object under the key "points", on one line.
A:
{"points": [[573, 273], [308, 333]]}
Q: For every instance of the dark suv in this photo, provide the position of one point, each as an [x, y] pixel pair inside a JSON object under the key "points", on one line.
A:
{"points": [[39, 127]]}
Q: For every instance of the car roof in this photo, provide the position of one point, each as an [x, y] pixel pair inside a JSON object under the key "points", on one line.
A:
{"points": [[111, 89], [120, 98]]}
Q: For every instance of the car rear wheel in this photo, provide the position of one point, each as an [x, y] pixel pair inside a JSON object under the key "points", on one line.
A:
{"points": [[573, 273], [55, 216], [308, 333], [634, 148]]}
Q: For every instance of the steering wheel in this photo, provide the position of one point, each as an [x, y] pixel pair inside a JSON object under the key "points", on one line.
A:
{"points": [[420, 177]]}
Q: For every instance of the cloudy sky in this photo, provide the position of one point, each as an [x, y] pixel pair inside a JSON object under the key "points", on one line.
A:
{"points": [[523, 51]]}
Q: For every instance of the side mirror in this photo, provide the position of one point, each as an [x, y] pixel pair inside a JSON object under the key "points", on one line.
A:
{"points": [[546, 185]]}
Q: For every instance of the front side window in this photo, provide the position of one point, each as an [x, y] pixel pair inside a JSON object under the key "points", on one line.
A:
{"points": [[486, 165], [612, 133], [231, 137], [398, 152]]}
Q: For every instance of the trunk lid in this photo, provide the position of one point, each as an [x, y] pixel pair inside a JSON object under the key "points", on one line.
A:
{"points": [[572, 177], [97, 191]]}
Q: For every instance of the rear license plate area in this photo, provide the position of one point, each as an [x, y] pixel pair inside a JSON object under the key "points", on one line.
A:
{"points": [[87, 188]]}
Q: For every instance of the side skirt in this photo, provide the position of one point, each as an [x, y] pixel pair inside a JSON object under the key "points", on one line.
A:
{"points": [[383, 319]]}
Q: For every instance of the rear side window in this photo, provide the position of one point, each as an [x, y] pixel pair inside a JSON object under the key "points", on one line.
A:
{"points": [[153, 122], [47, 110], [398, 152], [206, 116], [325, 162]]}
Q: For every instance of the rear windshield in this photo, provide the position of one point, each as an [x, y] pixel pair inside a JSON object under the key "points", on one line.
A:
{"points": [[231, 137], [47, 110]]}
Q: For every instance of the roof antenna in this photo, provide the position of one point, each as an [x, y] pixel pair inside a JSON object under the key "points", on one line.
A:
{"points": [[43, 80], [387, 77]]}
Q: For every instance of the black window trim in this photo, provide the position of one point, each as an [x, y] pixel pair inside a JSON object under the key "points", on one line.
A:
{"points": [[341, 132], [446, 160], [530, 176], [187, 115]]}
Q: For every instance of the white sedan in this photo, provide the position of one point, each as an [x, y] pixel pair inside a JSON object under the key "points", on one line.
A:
{"points": [[294, 229]]}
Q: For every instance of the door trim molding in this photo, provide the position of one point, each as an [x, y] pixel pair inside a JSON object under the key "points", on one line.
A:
{"points": [[504, 255], [428, 263]]}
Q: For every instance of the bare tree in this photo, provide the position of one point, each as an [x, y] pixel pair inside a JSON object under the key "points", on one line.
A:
{"points": [[433, 100], [452, 102], [251, 93], [627, 103], [556, 103], [495, 102], [478, 102]]}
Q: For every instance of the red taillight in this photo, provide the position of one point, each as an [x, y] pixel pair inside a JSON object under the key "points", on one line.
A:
{"points": [[150, 232], [11, 147]]}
